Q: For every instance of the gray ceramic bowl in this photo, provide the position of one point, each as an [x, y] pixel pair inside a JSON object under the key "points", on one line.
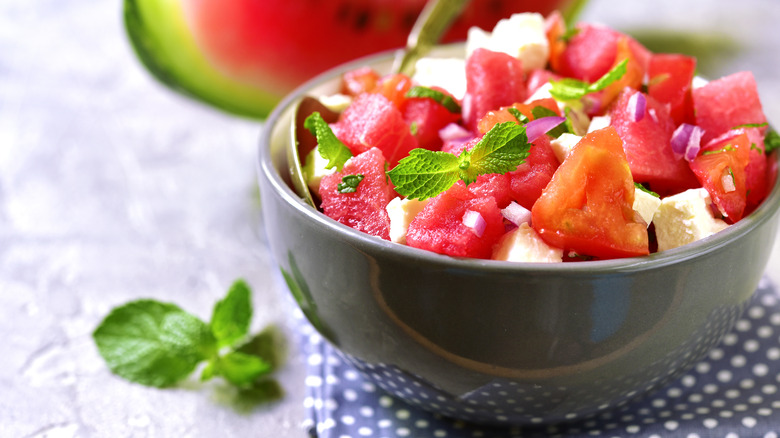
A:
{"points": [[500, 342]]}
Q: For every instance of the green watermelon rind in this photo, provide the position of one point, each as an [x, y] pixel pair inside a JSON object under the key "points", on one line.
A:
{"points": [[165, 45]]}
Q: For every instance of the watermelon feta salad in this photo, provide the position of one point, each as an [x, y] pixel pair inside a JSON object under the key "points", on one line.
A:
{"points": [[542, 144]]}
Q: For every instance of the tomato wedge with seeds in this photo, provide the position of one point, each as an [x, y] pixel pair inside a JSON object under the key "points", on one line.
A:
{"points": [[720, 168], [587, 206]]}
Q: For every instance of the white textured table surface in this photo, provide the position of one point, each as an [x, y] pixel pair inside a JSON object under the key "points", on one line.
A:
{"points": [[113, 188]]}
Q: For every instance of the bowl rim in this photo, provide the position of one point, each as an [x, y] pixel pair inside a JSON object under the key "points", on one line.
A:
{"points": [[763, 213]]}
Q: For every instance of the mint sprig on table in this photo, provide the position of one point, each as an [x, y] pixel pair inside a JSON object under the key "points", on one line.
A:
{"points": [[425, 174], [159, 344], [568, 89], [329, 146]]}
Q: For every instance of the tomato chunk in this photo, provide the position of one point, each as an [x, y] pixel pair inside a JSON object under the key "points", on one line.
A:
{"points": [[588, 205], [720, 168]]}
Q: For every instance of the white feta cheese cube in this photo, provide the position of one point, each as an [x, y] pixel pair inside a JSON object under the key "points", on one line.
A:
{"points": [[599, 122], [401, 212], [521, 35], [336, 102], [684, 218], [523, 244], [314, 170], [645, 205], [447, 73], [562, 145], [543, 92]]}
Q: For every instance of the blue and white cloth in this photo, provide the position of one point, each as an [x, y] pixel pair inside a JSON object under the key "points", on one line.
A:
{"points": [[733, 393]]}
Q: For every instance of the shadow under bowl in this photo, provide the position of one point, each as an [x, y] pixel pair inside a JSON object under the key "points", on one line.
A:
{"points": [[499, 342]]}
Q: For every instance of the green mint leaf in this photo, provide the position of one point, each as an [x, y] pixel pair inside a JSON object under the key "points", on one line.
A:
{"points": [[521, 118], [443, 98], [269, 345], [568, 89], [751, 125], [349, 183], [424, 174], [771, 141], [542, 111], [330, 147], [569, 34], [646, 190], [501, 150], [238, 368], [153, 343], [231, 316]]}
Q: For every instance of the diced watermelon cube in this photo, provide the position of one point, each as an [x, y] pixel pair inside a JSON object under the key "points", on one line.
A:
{"points": [[493, 80], [428, 117], [440, 228], [529, 180], [727, 103], [670, 81], [365, 208], [373, 121], [647, 143], [592, 52], [494, 185]]}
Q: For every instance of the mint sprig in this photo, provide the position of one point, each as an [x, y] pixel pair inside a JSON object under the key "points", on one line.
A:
{"points": [[159, 344], [568, 89], [424, 174], [330, 147], [443, 98]]}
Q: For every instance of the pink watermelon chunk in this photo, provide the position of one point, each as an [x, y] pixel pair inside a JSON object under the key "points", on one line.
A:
{"points": [[647, 143], [531, 177], [440, 228], [364, 209], [373, 121], [428, 117], [591, 52], [493, 185], [670, 81], [726, 103], [493, 80]]}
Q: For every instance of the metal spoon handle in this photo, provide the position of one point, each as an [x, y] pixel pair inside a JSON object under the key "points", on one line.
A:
{"points": [[435, 18]]}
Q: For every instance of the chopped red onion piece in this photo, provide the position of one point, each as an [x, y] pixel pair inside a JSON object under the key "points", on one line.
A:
{"points": [[536, 128], [636, 106], [686, 141], [475, 221], [516, 213]]}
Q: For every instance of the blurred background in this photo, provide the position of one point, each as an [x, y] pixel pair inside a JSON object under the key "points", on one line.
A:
{"points": [[113, 187]]}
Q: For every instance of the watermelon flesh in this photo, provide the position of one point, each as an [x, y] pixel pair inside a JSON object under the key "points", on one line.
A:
{"points": [[727, 103], [373, 121], [648, 147], [493, 80], [364, 209], [440, 228]]}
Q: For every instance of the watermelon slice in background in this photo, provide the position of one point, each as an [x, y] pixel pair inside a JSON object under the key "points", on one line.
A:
{"points": [[243, 56]]}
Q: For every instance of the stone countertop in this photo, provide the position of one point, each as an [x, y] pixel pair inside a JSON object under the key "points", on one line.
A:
{"points": [[114, 188]]}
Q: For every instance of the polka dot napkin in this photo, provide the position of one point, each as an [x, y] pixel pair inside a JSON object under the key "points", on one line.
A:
{"points": [[733, 393]]}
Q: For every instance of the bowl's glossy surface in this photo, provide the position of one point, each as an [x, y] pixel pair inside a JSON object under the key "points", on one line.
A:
{"points": [[502, 342]]}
